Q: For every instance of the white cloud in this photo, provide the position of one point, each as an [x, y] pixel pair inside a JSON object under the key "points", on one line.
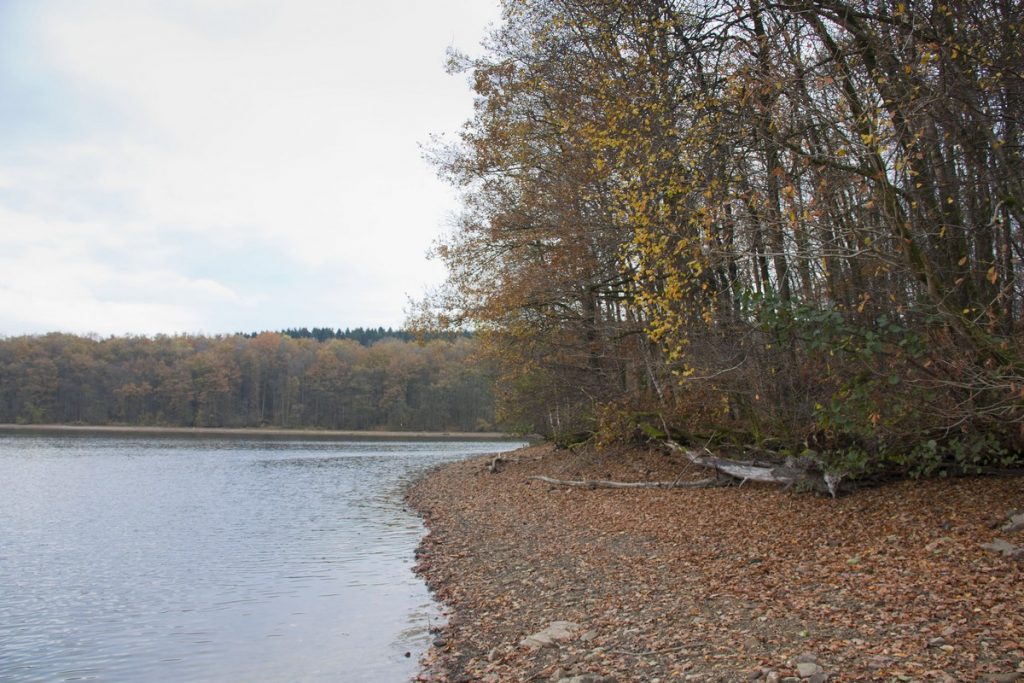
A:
{"points": [[287, 130], [60, 276]]}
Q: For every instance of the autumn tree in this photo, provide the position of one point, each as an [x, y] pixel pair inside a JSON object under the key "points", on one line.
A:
{"points": [[534, 259]]}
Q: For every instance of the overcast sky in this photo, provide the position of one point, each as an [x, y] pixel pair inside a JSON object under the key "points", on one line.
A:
{"points": [[213, 166]]}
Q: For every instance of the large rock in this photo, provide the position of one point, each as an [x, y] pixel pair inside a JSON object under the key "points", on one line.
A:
{"points": [[556, 632]]}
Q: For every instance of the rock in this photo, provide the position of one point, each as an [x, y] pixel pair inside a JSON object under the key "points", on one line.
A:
{"points": [[820, 677], [806, 657], [589, 635], [556, 632], [440, 642], [1003, 547], [880, 662], [772, 677], [808, 669], [588, 678], [1004, 678], [1015, 524]]}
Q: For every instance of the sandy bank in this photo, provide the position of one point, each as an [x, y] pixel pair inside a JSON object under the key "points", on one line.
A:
{"points": [[730, 584]]}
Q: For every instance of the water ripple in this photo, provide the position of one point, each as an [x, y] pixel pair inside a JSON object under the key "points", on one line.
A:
{"points": [[163, 559]]}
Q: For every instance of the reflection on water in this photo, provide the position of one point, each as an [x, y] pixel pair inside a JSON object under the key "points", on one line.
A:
{"points": [[128, 559]]}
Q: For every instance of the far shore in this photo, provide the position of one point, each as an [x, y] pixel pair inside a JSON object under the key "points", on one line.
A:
{"points": [[254, 432]]}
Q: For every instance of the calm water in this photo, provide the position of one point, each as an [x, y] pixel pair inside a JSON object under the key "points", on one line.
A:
{"points": [[138, 559]]}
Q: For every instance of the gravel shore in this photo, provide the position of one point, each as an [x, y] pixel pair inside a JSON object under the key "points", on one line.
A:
{"points": [[726, 584]]}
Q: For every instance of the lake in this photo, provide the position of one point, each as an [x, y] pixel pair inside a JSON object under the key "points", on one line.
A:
{"points": [[177, 559]]}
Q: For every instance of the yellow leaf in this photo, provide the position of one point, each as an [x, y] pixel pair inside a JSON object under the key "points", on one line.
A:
{"points": [[992, 275]]}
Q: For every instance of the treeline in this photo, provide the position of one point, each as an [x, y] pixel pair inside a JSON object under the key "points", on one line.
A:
{"points": [[366, 336], [236, 381], [791, 227]]}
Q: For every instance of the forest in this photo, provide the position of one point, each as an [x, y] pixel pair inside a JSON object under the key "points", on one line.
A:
{"points": [[790, 229], [271, 379]]}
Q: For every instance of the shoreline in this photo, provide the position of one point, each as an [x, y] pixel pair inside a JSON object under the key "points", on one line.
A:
{"points": [[254, 432], [723, 584]]}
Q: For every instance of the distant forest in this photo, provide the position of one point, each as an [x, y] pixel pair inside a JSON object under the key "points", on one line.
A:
{"points": [[356, 379]]}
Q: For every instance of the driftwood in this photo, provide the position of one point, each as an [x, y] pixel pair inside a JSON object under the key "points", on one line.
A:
{"points": [[802, 471], [605, 484]]}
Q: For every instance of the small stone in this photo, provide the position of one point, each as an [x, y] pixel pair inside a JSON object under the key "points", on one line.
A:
{"points": [[806, 657], [772, 677], [440, 642], [808, 669], [1004, 678], [820, 677], [937, 642], [751, 643], [790, 679], [755, 675], [589, 635]]}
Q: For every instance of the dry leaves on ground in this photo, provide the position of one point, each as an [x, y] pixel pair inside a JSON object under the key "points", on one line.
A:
{"points": [[716, 584]]}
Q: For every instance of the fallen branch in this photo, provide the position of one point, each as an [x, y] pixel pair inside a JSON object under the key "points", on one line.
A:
{"points": [[650, 653], [605, 484]]}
